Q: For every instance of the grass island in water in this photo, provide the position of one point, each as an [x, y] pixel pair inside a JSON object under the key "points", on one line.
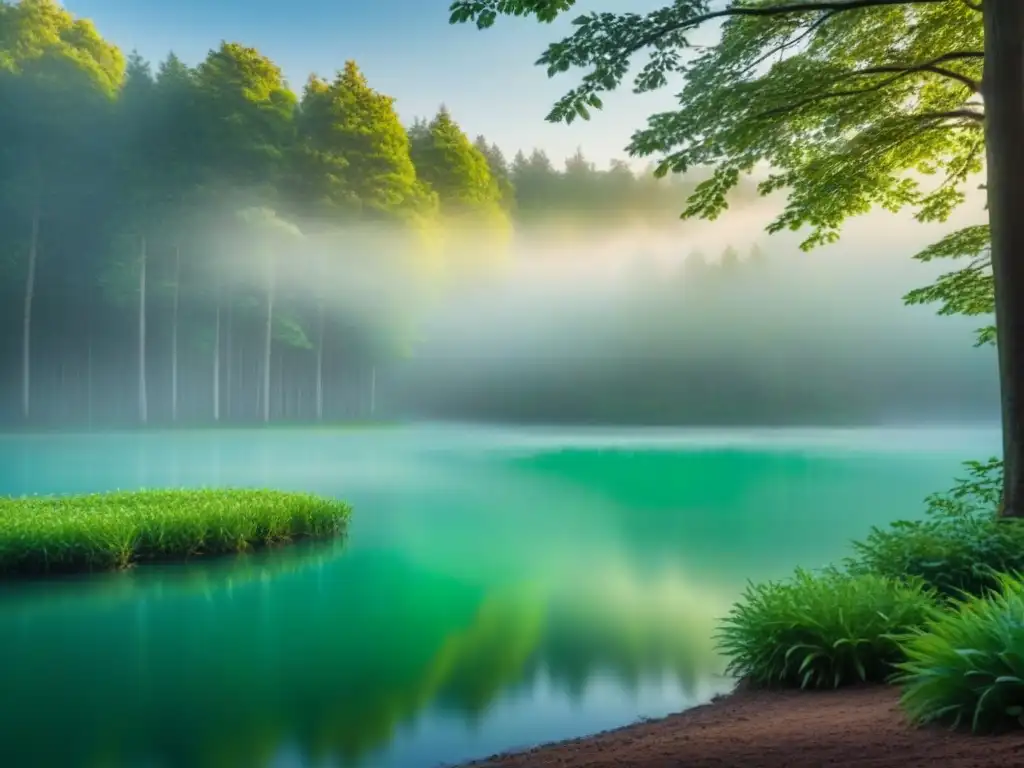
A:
{"points": [[97, 532]]}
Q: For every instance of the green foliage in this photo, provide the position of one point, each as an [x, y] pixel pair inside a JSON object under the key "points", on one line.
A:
{"points": [[455, 169], [354, 150], [57, 81], [840, 104], [851, 105], [960, 546], [248, 118], [484, 12], [969, 290], [40, 535], [966, 664], [821, 631], [499, 171]]}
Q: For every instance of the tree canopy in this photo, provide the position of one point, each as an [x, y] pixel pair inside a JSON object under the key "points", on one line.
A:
{"points": [[844, 105], [128, 276]]}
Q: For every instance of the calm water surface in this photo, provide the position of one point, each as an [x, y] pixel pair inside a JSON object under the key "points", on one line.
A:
{"points": [[498, 588]]}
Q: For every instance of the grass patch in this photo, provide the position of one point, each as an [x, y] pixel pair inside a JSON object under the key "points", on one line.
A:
{"points": [[966, 665], [822, 630], [99, 532]]}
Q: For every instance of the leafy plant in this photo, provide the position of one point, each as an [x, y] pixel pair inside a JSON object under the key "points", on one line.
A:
{"points": [[967, 663], [959, 547], [820, 631]]}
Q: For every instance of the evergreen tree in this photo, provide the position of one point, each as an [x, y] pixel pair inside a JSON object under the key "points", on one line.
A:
{"points": [[355, 134], [536, 183], [499, 171], [730, 261], [456, 170], [248, 121]]}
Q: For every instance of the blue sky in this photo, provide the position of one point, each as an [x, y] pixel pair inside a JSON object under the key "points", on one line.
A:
{"points": [[407, 50]]}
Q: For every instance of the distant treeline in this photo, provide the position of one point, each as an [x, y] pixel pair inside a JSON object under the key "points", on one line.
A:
{"points": [[125, 185], [753, 338]]}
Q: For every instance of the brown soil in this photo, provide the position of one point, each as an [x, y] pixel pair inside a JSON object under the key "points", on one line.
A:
{"points": [[861, 727]]}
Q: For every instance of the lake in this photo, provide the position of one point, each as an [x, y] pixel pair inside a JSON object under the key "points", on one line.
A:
{"points": [[498, 587]]}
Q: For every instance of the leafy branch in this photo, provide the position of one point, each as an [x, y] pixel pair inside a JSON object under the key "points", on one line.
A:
{"points": [[966, 291]]}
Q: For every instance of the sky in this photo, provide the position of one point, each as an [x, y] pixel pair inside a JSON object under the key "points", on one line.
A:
{"points": [[407, 50]]}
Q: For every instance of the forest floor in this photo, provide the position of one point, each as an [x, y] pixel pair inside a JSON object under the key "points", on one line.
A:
{"points": [[860, 726]]}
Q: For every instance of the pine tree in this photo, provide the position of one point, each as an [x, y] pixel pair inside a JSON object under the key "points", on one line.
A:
{"points": [[456, 170]]}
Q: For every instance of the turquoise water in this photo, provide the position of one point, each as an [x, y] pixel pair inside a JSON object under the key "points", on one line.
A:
{"points": [[499, 588]]}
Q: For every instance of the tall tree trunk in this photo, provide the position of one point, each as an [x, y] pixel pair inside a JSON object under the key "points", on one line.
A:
{"points": [[174, 332], [228, 355], [26, 322], [143, 407], [62, 392], [320, 366], [259, 386], [373, 390], [1003, 88], [216, 361], [268, 339], [88, 379], [282, 403]]}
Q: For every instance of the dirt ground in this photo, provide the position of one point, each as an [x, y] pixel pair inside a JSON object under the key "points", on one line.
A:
{"points": [[774, 729]]}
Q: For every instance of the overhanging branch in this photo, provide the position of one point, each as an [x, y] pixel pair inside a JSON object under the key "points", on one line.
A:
{"points": [[953, 114], [901, 71], [931, 66], [790, 42], [778, 111], [833, 7]]}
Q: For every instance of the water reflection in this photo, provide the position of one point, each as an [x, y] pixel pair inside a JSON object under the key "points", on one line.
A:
{"points": [[214, 665], [493, 593]]}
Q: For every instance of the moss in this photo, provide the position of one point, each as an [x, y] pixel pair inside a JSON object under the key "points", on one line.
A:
{"points": [[68, 534]]}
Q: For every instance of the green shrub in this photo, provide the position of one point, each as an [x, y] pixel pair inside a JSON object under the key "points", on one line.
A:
{"points": [[959, 547], [41, 535], [819, 631], [967, 663]]}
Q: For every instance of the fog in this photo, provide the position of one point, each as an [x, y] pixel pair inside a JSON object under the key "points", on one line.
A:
{"points": [[575, 321], [626, 325]]}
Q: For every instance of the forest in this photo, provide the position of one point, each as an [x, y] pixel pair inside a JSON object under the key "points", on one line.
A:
{"points": [[200, 244], [153, 214]]}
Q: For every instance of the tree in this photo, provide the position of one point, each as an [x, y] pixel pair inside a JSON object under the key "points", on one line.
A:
{"points": [[363, 127], [580, 181], [57, 77], [273, 235], [534, 177], [851, 104], [499, 171], [248, 115], [136, 120], [694, 272], [730, 261], [470, 201], [456, 170], [756, 257], [177, 138]]}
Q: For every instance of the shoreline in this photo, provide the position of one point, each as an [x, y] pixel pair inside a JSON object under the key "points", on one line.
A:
{"points": [[846, 728]]}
